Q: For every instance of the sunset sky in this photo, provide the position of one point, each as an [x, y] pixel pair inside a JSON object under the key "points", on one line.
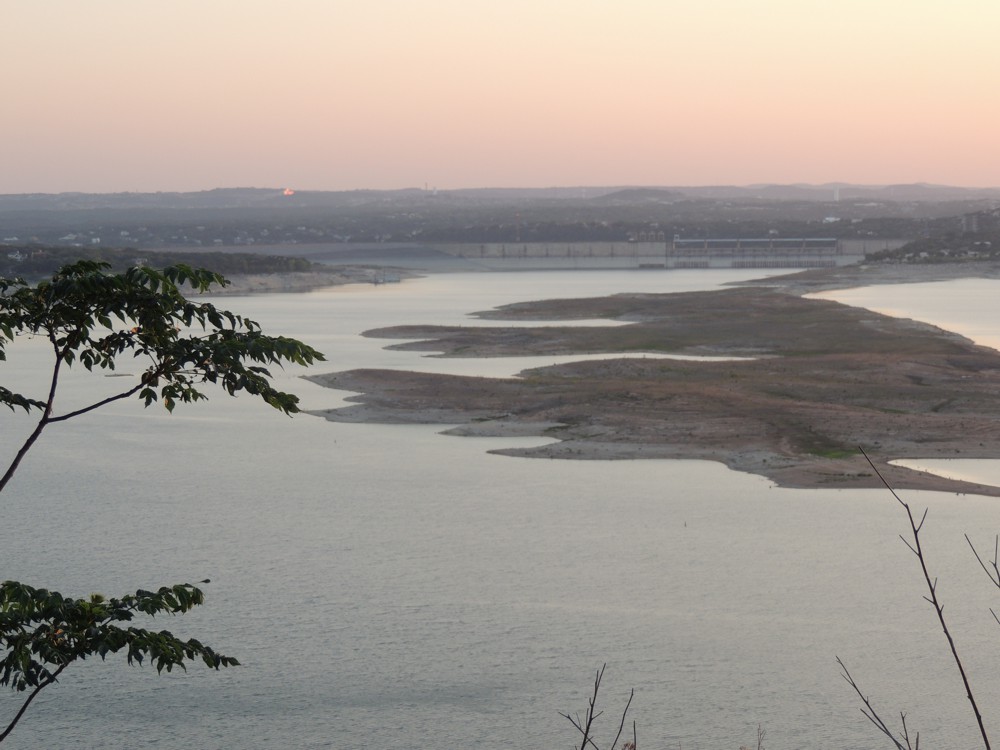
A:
{"points": [[135, 95]]}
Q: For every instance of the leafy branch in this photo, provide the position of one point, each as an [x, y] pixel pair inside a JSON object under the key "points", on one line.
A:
{"points": [[93, 318], [44, 632]]}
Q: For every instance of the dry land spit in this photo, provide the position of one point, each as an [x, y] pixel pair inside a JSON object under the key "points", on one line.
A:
{"points": [[823, 378]]}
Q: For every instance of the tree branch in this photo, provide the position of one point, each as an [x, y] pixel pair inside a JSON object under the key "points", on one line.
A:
{"points": [[869, 711], [97, 405], [585, 726], [45, 419], [34, 693], [621, 726], [933, 599], [995, 575]]}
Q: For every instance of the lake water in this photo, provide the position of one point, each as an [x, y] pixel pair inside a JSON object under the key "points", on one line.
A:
{"points": [[390, 587]]}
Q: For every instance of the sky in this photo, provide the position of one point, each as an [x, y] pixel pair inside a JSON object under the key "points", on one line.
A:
{"points": [[178, 95]]}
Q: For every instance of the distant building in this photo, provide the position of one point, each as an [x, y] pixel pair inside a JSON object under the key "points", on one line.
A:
{"points": [[970, 223]]}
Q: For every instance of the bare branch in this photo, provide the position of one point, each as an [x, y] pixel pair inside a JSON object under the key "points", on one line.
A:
{"points": [[906, 733], [585, 725], [994, 577], [869, 710], [932, 588], [621, 726]]}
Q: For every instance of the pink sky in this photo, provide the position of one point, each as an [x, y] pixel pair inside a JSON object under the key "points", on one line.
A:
{"points": [[128, 95]]}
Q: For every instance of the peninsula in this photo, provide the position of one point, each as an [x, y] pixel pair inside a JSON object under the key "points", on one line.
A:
{"points": [[809, 381]]}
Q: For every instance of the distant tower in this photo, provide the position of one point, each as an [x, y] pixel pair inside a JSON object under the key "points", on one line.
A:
{"points": [[836, 194]]}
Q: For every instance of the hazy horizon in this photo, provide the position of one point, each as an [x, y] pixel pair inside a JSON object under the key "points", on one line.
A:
{"points": [[116, 96], [403, 188]]}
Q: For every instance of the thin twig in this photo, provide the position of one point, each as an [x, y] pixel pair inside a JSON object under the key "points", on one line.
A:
{"points": [[621, 726], [994, 579], [869, 710], [585, 725], [906, 733]]}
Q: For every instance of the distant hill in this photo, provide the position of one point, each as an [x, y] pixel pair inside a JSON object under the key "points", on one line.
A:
{"points": [[280, 198], [838, 191], [220, 198], [631, 196]]}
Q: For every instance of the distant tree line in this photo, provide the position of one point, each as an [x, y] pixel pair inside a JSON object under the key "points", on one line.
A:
{"points": [[463, 216], [970, 237], [34, 261], [949, 249]]}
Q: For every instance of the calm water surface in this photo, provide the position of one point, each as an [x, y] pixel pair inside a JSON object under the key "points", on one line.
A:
{"points": [[390, 587]]}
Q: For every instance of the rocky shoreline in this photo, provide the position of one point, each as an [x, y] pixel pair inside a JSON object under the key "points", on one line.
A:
{"points": [[305, 281]]}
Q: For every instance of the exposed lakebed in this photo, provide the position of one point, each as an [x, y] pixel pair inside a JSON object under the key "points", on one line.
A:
{"points": [[817, 380]]}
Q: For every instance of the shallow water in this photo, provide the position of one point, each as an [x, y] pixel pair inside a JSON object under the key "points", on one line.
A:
{"points": [[390, 587], [966, 306]]}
